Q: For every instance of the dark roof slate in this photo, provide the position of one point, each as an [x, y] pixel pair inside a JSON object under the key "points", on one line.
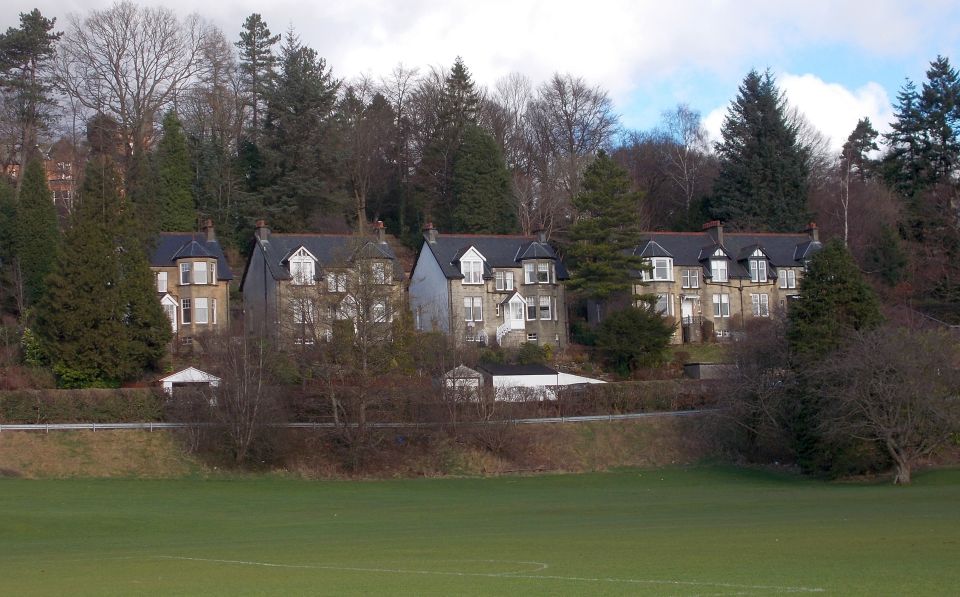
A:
{"points": [[330, 250], [500, 251], [181, 245]]}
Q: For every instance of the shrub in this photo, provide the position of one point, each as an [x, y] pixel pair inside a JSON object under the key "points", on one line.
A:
{"points": [[81, 406]]}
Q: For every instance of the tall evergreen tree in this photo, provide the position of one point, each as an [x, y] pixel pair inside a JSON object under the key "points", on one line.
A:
{"points": [[940, 111], [257, 65], [100, 321], [300, 145], [835, 301], [855, 154], [481, 186], [25, 55], [457, 109], [606, 231], [174, 189], [36, 234], [8, 217], [764, 167]]}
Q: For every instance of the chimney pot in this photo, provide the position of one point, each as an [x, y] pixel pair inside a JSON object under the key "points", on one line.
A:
{"points": [[813, 232], [381, 231]]}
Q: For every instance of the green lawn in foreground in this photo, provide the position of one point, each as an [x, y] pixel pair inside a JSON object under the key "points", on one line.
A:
{"points": [[697, 531]]}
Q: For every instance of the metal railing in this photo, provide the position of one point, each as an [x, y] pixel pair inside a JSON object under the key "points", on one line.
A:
{"points": [[48, 427]]}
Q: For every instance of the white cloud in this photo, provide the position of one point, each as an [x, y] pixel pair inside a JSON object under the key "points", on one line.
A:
{"points": [[832, 108]]}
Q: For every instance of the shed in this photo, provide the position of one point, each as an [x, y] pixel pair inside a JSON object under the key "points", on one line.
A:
{"points": [[189, 377]]}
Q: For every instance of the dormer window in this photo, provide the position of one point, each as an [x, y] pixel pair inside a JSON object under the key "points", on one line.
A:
{"points": [[758, 270], [472, 270], [718, 270], [302, 266], [661, 270]]}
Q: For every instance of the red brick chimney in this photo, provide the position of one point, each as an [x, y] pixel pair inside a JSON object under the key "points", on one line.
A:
{"points": [[381, 231], [208, 229], [431, 232], [715, 229], [813, 232]]}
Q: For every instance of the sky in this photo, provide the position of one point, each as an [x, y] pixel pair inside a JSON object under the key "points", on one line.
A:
{"points": [[837, 61]]}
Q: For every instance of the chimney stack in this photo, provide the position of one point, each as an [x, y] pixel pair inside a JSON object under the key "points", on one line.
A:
{"points": [[715, 229], [381, 232], [541, 235], [262, 232], [431, 233], [813, 232], [208, 228]]}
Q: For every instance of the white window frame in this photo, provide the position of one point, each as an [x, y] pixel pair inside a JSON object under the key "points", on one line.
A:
{"points": [[186, 311], [202, 310], [499, 280], [721, 305], [378, 311], [336, 281], [381, 274], [508, 280], [532, 307], [200, 272], [185, 273], [758, 270], [473, 308], [302, 268], [543, 270], [529, 273], [472, 270], [788, 278], [531, 337], [546, 312], [171, 312], [161, 281], [213, 311], [659, 263], [667, 300], [690, 278], [719, 271], [213, 272], [760, 303]]}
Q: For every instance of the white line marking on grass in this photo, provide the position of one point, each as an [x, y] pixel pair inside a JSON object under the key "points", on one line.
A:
{"points": [[527, 575]]}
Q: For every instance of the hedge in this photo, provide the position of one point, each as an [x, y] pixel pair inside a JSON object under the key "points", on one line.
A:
{"points": [[82, 406]]}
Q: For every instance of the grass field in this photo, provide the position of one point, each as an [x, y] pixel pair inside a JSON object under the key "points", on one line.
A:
{"points": [[683, 531]]}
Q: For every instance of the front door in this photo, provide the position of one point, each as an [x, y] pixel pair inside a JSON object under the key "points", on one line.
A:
{"points": [[517, 306]]}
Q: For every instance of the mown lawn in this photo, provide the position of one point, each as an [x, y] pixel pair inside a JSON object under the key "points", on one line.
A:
{"points": [[694, 531]]}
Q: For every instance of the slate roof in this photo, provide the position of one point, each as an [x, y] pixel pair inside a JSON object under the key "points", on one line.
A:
{"points": [[179, 245], [694, 249], [330, 250], [500, 251]]}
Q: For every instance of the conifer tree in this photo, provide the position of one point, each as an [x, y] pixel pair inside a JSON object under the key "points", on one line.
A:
{"points": [[299, 144], [606, 231], [762, 184], [100, 321], [36, 234], [174, 191], [257, 65], [481, 186], [834, 301], [7, 241], [25, 55]]}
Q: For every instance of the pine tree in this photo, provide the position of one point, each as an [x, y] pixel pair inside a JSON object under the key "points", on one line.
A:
{"points": [[36, 234], [835, 302], [25, 55], [300, 143], [257, 65], [458, 108], [100, 321], [174, 191], [855, 154], [940, 111], [762, 184], [481, 186], [606, 231], [8, 217]]}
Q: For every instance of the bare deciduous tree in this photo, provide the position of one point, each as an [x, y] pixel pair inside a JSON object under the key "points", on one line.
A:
{"points": [[687, 155], [897, 387], [129, 62]]}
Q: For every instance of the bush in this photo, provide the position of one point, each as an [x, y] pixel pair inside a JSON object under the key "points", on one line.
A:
{"points": [[81, 406], [532, 354], [633, 338]]}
